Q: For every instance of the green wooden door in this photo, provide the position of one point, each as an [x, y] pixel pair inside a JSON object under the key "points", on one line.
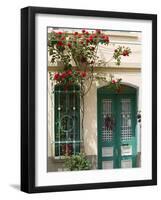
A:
{"points": [[117, 147]]}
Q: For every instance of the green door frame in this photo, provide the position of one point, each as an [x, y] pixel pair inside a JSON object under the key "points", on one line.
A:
{"points": [[104, 93]]}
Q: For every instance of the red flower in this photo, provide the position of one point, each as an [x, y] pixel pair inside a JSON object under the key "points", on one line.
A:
{"points": [[83, 74], [94, 35], [106, 38], [91, 38], [69, 45], [59, 33], [63, 38], [69, 72], [56, 76], [113, 81], [98, 31], [87, 32], [63, 75], [76, 33], [83, 30], [125, 53], [59, 43], [87, 40]]}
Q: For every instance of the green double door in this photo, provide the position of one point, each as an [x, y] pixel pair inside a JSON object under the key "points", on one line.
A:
{"points": [[117, 143]]}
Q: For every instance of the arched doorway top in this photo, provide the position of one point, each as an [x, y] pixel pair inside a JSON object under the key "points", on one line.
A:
{"points": [[125, 89]]}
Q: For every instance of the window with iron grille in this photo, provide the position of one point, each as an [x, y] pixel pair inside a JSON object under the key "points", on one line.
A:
{"points": [[67, 120]]}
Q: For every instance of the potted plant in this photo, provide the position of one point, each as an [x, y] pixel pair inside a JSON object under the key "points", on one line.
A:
{"points": [[77, 162]]}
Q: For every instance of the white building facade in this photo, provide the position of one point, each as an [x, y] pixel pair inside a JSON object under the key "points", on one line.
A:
{"points": [[119, 146]]}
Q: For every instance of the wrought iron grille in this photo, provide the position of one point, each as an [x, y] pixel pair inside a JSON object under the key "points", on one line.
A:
{"points": [[67, 120], [107, 112], [126, 129]]}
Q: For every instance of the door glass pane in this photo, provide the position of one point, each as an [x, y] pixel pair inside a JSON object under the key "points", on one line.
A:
{"points": [[126, 130], [107, 126]]}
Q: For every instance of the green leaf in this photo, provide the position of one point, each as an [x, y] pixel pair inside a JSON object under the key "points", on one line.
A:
{"points": [[53, 42]]}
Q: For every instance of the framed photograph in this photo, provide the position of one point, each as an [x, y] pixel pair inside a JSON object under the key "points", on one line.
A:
{"points": [[88, 99]]}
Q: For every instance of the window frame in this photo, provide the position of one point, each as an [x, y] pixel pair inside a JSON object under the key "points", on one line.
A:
{"points": [[58, 89]]}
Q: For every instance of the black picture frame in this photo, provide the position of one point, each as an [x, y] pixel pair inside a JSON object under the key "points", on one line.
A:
{"points": [[28, 91]]}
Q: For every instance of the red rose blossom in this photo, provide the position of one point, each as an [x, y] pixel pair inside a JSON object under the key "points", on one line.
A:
{"points": [[63, 75], [63, 38], [69, 45], [90, 38], [87, 40], [94, 35], [125, 53], [83, 74], [69, 72], [59, 33], [83, 30], [106, 38], [113, 81], [98, 31], [59, 43], [56, 76]]}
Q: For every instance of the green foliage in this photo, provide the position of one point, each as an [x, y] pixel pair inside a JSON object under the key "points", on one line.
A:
{"points": [[77, 162], [80, 47], [121, 51], [115, 84]]}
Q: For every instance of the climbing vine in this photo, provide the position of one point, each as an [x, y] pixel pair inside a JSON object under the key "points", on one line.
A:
{"points": [[76, 52], [80, 47]]}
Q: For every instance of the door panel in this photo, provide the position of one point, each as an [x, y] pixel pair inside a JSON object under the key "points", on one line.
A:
{"points": [[107, 164], [116, 131], [106, 135], [126, 163], [127, 133]]}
